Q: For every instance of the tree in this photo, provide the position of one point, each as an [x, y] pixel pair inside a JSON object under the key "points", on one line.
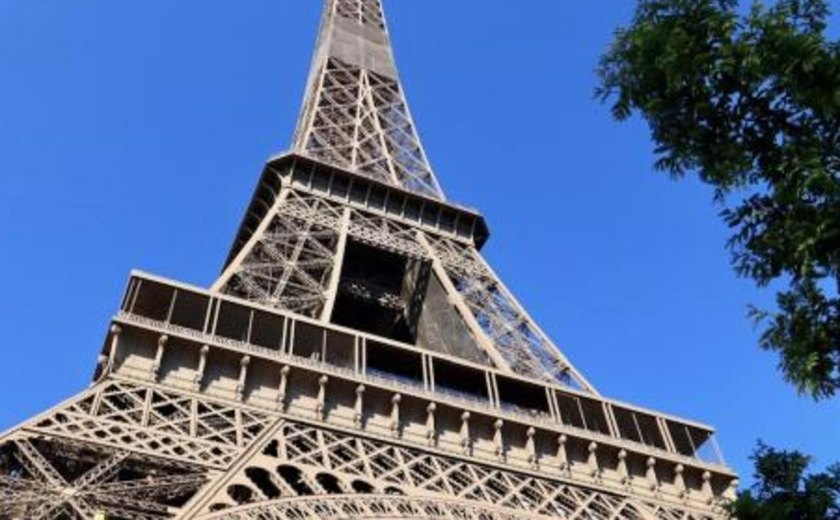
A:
{"points": [[783, 491], [751, 104]]}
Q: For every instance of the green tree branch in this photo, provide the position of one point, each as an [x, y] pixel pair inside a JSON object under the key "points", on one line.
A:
{"points": [[751, 105]]}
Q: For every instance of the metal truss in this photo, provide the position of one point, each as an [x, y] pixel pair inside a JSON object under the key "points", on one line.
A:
{"points": [[360, 121], [365, 12], [510, 329], [155, 423], [138, 445], [370, 506], [355, 114], [292, 263], [119, 449], [50, 479], [122, 450], [386, 234], [289, 264], [134, 451], [300, 460]]}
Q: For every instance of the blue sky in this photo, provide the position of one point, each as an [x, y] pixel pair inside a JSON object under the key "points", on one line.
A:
{"points": [[132, 134]]}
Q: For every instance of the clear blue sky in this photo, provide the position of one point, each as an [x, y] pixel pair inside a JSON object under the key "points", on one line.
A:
{"points": [[132, 133]]}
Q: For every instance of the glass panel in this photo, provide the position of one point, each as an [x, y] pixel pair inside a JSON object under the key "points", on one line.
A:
{"points": [[651, 434], [522, 396], [594, 416], [679, 434], [447, 220], [153, 300], [459, 380], [627, 427], [340, 351], [267, 330], [394, 363], [340, 186], [308, 342], [234, 321], [570, 413], [190, 310]]}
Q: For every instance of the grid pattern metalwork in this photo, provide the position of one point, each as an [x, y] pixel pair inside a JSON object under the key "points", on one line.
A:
{"points": [[120, 449], [355, 113], [139, 444], [290, 262], [508, 327], [349, 463], [78, 480], [288, 265], [370, 506]]}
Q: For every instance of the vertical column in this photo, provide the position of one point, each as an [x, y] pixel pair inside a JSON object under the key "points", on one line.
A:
{"points": [[459, 303], [338, 262], [236, 264]]}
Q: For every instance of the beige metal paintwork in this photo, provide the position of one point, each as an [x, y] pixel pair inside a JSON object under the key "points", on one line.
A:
{"points": [[247, 401]]}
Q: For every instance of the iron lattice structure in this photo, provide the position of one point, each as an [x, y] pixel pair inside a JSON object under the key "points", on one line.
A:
{"points": [[355, 114], [357, 358]]}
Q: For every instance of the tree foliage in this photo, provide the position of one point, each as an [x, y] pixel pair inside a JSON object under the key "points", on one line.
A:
{"points": [[751, 104], [784, 492]]}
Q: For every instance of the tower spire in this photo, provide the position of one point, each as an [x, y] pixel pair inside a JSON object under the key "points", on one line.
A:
{"points": [[355, 114]]}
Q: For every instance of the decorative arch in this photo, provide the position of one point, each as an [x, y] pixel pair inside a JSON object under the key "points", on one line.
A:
{"points": [[296, 479], [264, 480], [363, 487], [350, 507], [241, 494], [330, 483]]}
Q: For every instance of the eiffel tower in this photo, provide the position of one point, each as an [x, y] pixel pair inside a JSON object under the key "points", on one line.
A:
{"points": [[357, 358]]}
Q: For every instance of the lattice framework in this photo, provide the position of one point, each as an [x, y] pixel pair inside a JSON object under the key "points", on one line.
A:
{"points": [[370, 506], [289, 265], [85, 457], [118, 483], [516, 336], [384, 467], [140, 450], [364, 12], [122, 449], [355, 114]]}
